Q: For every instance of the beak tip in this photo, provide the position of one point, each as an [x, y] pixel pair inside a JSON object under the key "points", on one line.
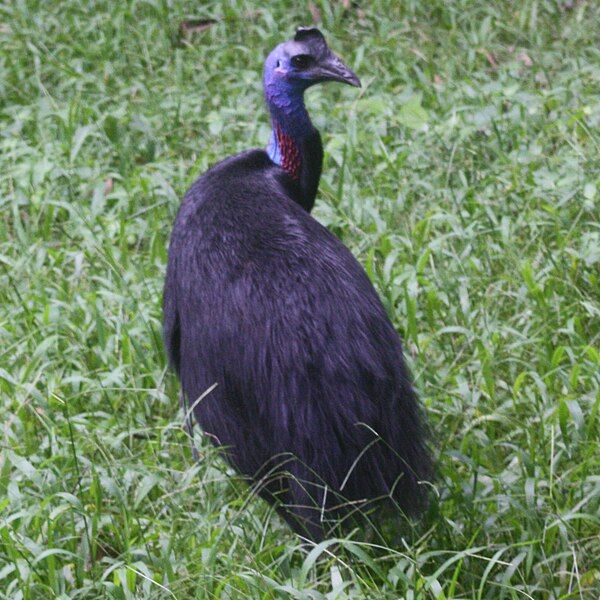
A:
{"points": [[351, 79], [334, 69]]}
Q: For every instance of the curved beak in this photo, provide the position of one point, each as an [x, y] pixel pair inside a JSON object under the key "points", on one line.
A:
{"points": [[333, 69]]}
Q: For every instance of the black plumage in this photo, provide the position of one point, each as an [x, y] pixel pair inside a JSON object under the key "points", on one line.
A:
{"points": [[313, 400]]}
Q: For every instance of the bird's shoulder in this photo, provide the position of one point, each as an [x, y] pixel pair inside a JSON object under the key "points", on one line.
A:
{"points": [[234, 176], [239, 165], [238, 188], [240, 216]]}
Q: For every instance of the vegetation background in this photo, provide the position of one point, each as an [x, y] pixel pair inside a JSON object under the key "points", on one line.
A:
{"points": [[464, 176]]}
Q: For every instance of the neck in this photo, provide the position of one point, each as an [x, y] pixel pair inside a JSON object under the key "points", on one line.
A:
{"points": [[291, 126], [295, 144]]}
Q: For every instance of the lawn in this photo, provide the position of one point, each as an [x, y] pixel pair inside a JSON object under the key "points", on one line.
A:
{"points": [[465, 177]]}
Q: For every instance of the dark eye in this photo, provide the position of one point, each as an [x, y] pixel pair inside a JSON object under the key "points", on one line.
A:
{"points": [[302, 61]]}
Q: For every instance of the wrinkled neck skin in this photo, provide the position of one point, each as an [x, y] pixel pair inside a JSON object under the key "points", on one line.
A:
{"points": [[294, 144], [291, 125], [286, 105]]}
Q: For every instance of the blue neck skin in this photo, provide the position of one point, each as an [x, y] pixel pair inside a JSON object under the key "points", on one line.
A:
{"points": [[288, 113]]}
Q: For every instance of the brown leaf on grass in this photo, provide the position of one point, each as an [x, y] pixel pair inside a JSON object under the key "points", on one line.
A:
{"points": [[418, 53], [315, 12], [437, 80], [189, 27], [491, 59], [525, 59], [108, 186], [346, 4]]}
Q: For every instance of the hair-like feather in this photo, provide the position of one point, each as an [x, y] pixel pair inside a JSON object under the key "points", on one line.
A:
{"points": [[313, 401]]}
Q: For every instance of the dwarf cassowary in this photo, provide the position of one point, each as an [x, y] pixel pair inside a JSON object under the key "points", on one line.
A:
{"points": [[309, 396]]}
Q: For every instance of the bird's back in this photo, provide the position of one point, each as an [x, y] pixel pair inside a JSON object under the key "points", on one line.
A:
{"points": [[265, 302]]}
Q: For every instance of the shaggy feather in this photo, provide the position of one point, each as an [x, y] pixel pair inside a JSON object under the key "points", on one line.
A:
{"points": [[313, 401]]}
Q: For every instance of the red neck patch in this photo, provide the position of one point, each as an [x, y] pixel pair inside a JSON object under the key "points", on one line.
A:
{"points": [[290, 155]]}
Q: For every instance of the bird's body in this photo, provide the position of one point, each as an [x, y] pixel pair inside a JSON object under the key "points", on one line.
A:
{"points": [[312, 398]]}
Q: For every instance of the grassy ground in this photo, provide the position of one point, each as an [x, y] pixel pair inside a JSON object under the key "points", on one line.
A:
{"points": [[464, 175]]}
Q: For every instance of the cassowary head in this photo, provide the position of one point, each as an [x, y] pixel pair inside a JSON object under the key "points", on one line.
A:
{"points": [[304, 61]]}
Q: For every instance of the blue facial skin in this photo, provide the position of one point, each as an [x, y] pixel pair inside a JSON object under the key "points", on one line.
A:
{"points": [[284, 92], [290, 69]]}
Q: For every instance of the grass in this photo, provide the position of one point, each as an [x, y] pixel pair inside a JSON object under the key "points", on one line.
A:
{"points": [[464, 175]]}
